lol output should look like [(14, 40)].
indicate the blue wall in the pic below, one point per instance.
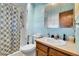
[(30, 20), (37, 25), (39, 19)]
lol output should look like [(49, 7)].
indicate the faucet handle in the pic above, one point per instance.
[(48, 35)]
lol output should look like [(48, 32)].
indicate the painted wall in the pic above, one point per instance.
[(36, 23), (30, 21), (39, 19)]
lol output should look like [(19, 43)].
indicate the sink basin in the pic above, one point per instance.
[(60, 42), (57, 42)]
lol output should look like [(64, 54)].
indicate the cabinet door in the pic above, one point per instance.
[(53, 52), (40, 52), (41, 47)]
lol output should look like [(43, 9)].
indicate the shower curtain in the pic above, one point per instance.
[(9, 29)]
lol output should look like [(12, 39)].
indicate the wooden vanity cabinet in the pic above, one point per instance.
[(43, 50)]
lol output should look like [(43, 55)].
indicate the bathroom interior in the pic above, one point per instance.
[(39, 29)]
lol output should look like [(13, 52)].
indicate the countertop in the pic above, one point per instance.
[(69, 47)]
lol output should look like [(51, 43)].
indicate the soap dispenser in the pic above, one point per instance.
[(64, 37)]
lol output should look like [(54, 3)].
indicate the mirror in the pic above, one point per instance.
[(59, 15)]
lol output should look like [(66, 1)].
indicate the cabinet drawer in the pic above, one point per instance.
[(53, 52), (41, 53), (42, 47)]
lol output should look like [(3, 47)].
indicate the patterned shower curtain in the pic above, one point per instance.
[(9, 29)]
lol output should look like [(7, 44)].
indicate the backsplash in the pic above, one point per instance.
[(61, 31)]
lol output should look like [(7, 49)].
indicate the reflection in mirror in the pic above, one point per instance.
[(51, 20), (66, 19)]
